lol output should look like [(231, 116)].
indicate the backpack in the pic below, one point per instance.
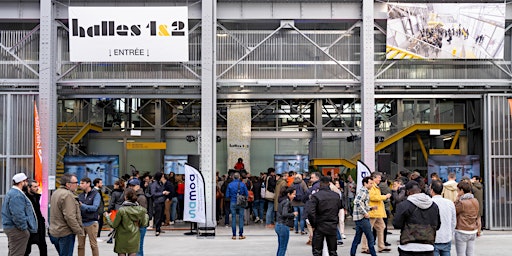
[(300, 194)]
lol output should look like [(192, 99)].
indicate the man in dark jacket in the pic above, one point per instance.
[(98, 184), (322, 212), (39, 237), (418, 218)]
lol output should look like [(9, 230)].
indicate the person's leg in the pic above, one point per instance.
[(331, 245), (281, 233), (286, 237), (233, 218), (100, 224), (17, 240), (91, 231), (296, 219), (158, 214), (357, 238), (301, 217), (270, 212), (341, 223), (28, 250), (318, 243), (174, 204), (470, 245), (55, 242), (255, 210), (379, 227), (142, 231), (241, 211), (66, 245), (227, 211), (262, 206), (444, 249), (367, 230), (81, 244), (167, 212), (460, 244), (364, 242)]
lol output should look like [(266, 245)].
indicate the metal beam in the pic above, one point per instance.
[(368, 85), (209, 106), (23, 62)]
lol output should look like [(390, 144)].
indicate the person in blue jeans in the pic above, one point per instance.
[(64, 245), (362, 218), (235, 188), (285, 217), (298, 203)]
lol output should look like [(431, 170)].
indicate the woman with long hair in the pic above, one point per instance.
[(130, 217), (285, 219)]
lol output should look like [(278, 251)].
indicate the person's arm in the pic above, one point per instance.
[(313, 202), (375, 195), (70, 212), (111, 202), (399, 217), (228, 191), (154, 192), (15, 208), (245, 190), (94, 206)]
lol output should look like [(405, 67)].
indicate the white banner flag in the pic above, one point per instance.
[(194, 210), (362, 171)]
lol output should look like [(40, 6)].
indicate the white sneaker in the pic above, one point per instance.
[(343, 236), (257, 219), (171, 223), (99, 240)]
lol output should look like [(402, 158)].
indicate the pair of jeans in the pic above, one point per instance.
[(465, 244), (257, 208), (64, 245), (283, 235), (270, 212), (299, 218), (227, 211), (363, 226), (318, 243), (174, 205), (142, 231), (237, 210), (442, 249)]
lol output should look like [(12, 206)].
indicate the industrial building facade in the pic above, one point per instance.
[(316, 76)]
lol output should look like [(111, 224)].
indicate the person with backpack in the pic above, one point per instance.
[(298, 203)]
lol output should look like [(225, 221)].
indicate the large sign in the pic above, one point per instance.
[(128, 34)]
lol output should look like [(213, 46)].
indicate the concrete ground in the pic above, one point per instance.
[(263, 242)]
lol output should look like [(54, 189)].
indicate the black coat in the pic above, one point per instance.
[(322, 210), (41, 227)]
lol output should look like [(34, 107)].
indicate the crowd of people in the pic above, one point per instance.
[(430, 216)]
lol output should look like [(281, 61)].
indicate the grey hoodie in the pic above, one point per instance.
[(421, 200)]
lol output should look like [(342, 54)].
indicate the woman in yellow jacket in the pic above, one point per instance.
[(377, 216)]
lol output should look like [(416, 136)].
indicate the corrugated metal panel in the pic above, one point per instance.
[(498, 178)]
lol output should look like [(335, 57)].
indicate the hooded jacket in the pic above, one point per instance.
[(450, 190), (129, 218), (467, 213), (298, 182), (418, 218)]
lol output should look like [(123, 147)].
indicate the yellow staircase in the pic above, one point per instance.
[(400, 54), (351, 163), (69, 133)]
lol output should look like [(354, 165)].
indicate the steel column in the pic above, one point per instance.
[(316, 142), (367, 86), (47, 96), (208, 105)]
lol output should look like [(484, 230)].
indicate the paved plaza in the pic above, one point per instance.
[(263, 242)]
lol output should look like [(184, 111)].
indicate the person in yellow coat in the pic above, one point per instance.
[(377, 216)]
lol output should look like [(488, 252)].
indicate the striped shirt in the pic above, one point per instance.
[(361, 204)]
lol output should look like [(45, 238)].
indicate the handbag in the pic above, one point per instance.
[(268, 195), (241, 200), (250, 198)]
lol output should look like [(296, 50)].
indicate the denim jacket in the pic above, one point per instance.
[(18, 212)]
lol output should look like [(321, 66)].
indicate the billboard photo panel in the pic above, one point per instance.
[(445, 31)]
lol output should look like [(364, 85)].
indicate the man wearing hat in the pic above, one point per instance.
[(18, 216), (134, 184), (418, 220)]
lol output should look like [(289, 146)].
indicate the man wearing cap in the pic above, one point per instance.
[(134, 184), (18, 216), (418, 220), (65, 217), (89, 203)]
